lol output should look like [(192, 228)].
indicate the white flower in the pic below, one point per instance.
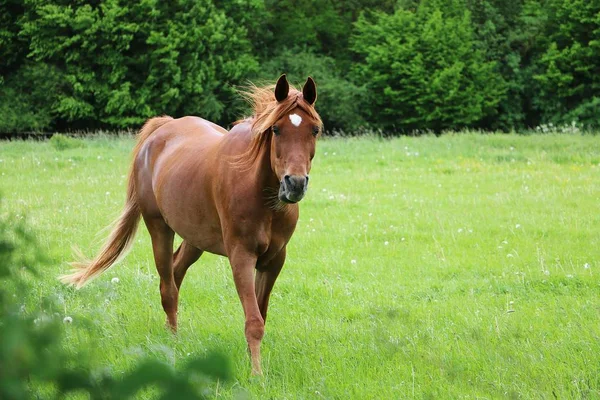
[(509, 255), (68, 320), (546, 272), (586, 266), (402, 240), (352, 261), (114, 280), (386, 243), (517, 226), (460, 230), (108, 193)]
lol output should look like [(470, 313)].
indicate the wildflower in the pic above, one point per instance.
[(460, 230), (108, 193), (586, 266), (386, 243), (114, 280), (517, 226), (68, 320), (352, 261)]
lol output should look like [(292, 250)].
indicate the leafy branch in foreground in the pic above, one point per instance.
[(33, 352)]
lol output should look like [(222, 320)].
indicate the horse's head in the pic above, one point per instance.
[(294, 137)]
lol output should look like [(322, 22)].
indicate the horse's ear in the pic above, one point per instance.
[(282, 88), (309, 91)]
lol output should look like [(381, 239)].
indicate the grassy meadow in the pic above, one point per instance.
[(461, 266)]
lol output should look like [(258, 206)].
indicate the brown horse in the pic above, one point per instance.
[(229, 193)]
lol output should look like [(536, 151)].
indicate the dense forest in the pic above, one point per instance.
[(396, 66)]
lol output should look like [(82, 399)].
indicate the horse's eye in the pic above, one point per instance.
[(316, 130), (275, 130)]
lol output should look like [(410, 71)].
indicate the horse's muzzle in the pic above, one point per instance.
[(293, 188)]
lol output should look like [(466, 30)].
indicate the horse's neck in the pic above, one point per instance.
[(261, 169), (265, 177)]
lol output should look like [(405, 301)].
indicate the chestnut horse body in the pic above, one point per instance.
[(228, 193)]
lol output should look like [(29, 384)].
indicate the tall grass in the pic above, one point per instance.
[(459, 266)]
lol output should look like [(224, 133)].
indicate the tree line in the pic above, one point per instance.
[(395, 66)]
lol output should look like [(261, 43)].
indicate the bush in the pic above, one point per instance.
[(423, 70), (567, 79), (62, 142), (33, 352), (121, 63)]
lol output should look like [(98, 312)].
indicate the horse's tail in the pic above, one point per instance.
[(125, 227)]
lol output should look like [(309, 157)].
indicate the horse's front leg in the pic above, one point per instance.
[(243, 264), (265, 279)]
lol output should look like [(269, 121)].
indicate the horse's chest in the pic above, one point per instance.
[(277, 236)]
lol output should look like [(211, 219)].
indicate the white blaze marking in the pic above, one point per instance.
[(296, 119)]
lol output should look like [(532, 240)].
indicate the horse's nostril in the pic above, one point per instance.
[(287, 180), (307, 179)]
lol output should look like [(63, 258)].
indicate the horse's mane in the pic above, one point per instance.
[(267, 111)]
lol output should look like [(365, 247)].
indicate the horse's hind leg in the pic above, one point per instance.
[(183, 258), (162, 245)]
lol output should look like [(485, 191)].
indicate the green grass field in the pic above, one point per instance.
[(464, 266)]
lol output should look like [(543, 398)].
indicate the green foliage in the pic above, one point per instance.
[(63, 142), (27, 97), (398, 65), (423, 69), (34, 352), (121, 63), (567, 72)]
